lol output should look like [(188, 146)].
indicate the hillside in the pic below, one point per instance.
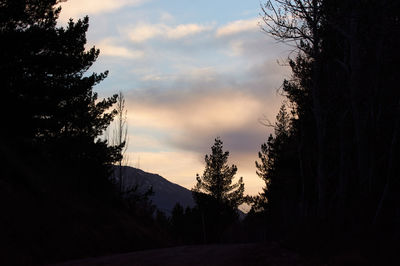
[(166, 193)]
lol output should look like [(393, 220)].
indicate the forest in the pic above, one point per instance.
[(330, 169)]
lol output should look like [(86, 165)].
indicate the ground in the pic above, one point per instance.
[(210, 255)]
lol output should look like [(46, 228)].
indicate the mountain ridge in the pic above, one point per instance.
[(166, 193)]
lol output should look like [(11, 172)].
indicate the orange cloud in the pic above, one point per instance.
[(179, 167), (109, 48), (79, 8), (188, 127)]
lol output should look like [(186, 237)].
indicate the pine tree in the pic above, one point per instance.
[(265, 170), (216, 196), (217, 178), (58, 118), (278, 167)]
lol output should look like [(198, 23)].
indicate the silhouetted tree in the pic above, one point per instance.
[(55, 169), (178, 221), (277, 168), (218, 177), (120, 139), (43, 75), (215, 195), (344, 129)]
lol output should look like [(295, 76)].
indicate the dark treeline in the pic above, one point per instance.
[(332, 166), (56, 198)]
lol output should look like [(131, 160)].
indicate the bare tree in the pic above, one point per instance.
[(120, 138)]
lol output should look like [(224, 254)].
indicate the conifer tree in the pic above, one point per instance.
[(345, 111), (217, 178), (277, 168), (44, 77), (216, 196)]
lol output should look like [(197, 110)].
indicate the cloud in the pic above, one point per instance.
[(183, 30), (206, 99), (254, 46), (182, 166), (109, 48), (215, 82), (143, 141), (192, 120), (143, 31), (186, 110), (237, 48), (166, 17), (78, 8), (238, 26), (177, 166), (201, 114)]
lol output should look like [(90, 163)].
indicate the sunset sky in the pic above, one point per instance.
[(190, 71)]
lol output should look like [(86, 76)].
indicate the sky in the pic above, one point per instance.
[(190, 71)]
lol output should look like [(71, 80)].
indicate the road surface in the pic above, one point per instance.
[(208, 255)]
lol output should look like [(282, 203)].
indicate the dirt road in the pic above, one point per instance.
[(208, 255)]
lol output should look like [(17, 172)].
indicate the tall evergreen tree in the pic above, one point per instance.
[(216, 197), (277, 168), (217, 178), (44, 77)]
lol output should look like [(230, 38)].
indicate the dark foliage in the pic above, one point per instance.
[(208, 222), (214, 219), (57, 200), (332, 170), (53, 115), (217, 178), (216, 197)]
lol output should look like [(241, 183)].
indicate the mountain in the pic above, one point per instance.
[(166, 193)]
